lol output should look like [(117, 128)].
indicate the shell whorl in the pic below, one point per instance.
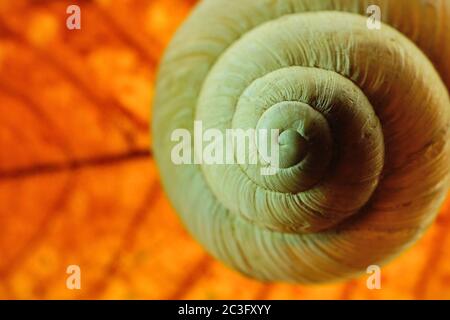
[(364, 121)]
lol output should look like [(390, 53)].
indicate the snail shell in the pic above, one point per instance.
[(364, 122)]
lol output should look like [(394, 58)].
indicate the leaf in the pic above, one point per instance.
[(78, 184)]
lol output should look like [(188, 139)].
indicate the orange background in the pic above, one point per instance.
[(78, 184)]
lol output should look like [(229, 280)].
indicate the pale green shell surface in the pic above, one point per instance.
[(373, 106)]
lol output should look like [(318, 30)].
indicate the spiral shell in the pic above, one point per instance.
[(364, 121)]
